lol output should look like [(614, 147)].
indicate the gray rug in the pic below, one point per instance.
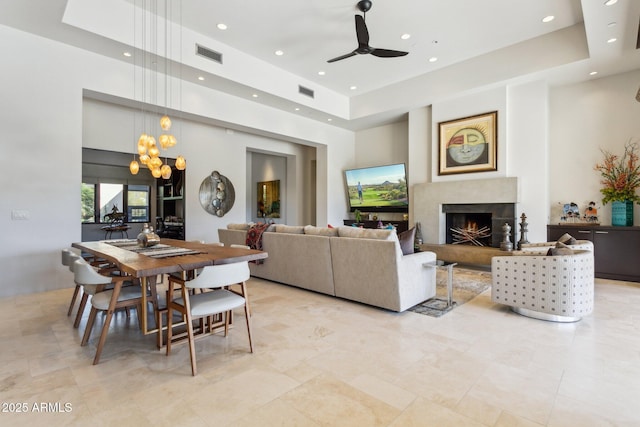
[(468, 283)]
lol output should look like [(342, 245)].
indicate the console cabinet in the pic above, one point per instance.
[(616, 249), (399, 225)]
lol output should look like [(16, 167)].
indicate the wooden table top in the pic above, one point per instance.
[(139, 265)]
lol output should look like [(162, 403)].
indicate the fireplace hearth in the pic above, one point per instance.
[(478, 224)]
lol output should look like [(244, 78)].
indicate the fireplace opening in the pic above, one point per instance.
[(473, 220), (469, 229)]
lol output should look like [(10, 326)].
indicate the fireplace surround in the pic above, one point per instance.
[(429, 199)]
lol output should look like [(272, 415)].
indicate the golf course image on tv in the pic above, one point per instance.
[(379, 188)]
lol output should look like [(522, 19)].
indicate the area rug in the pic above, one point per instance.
[(468, 283)]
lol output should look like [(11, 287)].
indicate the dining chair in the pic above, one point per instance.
[(178, 276), (217, 301), (68, 257), (242, 289), (105, 300)]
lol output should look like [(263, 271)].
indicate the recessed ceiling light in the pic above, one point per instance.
[(127, 54), (321, 73), (405, 36), (548, 18), (297, 108), (255, 95), (593, 73), (329, 119), (610, 2), (353, 87), (433, 59), (200, 78), (279, 52), (612, 40), (222, 26)]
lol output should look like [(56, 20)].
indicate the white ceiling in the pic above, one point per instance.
[(477, 43)]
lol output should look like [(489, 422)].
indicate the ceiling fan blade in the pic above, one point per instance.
[(348, 55), (361, 31), (387, 53)]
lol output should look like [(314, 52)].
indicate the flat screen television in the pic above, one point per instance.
[(378, 188)]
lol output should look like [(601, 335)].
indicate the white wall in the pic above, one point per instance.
[(585, 117), (42, 123)]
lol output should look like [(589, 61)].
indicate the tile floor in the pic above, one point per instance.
[(323, 361)]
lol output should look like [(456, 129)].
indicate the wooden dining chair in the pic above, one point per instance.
[(68, 257), (105, 300), (205, 304)]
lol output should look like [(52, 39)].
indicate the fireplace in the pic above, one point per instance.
[(478, 224)]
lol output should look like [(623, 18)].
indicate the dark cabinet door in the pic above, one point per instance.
[(580, 233), (616, 254)]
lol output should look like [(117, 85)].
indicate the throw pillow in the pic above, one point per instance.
[(407, 240), (560, 249), (567, 239)]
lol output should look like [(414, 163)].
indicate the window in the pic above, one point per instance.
[(99, 200), (138, 203), (88, 203)]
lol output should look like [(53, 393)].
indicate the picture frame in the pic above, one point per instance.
[(468, 144)]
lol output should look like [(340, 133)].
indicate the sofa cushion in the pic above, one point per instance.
[(567, 239), (560, 249), (407, 240), (366, 233), (320, 231), (290, 229)]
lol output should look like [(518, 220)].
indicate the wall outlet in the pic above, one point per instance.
[(20, 215)]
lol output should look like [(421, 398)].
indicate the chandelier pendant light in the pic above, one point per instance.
[(148, 149)]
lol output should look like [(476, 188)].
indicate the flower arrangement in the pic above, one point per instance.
[(620, 176)]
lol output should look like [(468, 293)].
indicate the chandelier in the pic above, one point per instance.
[(148, 147)]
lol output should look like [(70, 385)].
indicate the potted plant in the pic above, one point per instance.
[(620, 177), (358, 216)]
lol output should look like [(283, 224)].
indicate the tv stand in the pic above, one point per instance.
[(400, 225)]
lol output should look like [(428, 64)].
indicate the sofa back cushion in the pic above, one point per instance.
[(243, 226), (290, 229), (367, 233), (321, 231)]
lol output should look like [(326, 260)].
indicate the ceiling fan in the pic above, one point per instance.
[(363, 38)]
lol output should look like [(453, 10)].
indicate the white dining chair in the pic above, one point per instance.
[(68, 256), (105, 300), (210, 303)]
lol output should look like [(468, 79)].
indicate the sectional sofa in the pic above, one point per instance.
[(358, 264)]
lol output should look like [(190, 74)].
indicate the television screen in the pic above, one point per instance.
[(378, 189)]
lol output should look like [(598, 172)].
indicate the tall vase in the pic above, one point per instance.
[(622, 213)]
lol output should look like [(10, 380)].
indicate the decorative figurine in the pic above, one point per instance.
[(523, 231), (506, 244)]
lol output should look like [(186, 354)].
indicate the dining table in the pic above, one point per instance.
[(169, 256)]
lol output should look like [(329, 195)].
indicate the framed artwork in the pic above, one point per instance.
[(468, 144), (269, 199)]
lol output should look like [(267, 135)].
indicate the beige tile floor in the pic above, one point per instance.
[(323, 361)]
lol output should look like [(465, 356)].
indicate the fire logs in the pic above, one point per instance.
[(469, 235)]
